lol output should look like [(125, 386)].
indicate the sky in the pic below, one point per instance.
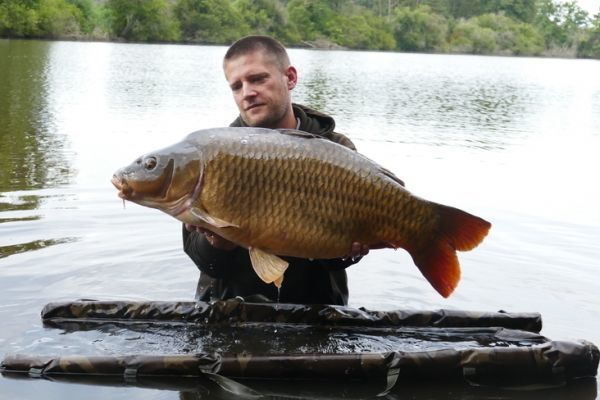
[(591, 6)]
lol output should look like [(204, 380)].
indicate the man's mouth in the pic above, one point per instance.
[(250, 107)]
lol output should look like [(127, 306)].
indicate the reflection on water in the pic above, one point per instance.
[(207, 388), (514, 140), (32, 148), (6, 251), (448, 102)]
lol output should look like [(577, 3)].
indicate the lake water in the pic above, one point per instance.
[(514, 140)]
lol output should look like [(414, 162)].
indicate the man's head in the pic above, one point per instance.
[(260, 76)]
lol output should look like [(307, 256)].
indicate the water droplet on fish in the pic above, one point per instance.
[(278, 294), (123, 204)]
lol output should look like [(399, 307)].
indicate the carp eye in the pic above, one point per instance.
[(150, 163)]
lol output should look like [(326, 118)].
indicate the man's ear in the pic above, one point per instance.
[(292, 77)]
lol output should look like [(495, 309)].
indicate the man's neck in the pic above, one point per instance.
[(289, 121)]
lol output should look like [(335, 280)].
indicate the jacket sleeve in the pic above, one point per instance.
[(214, 262), (337, 264)]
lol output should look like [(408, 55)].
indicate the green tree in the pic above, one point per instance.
[(90, 15), (360, 31), (589, 47), (209, 21), (142, 20), (495, 33), (267, 17), (57, 18), (310, 17), (18, 19), (561, 23), (419, 29), (468, 37)]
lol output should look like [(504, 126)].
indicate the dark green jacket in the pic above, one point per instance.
[(227, 274)]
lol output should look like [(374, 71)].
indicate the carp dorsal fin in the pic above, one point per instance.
[(214, 221), (391, 175), (268, 267), (295, 132)]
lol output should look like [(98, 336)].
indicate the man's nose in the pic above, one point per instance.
[(248, 90)]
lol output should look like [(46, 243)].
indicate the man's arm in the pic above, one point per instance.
[(213, 261), (337, 264)]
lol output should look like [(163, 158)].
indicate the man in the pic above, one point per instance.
[(258, 71)]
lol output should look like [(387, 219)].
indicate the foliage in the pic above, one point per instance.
[(511, 27), (589, 47), (267, 17), (209, 21), (142, 20), (18, 19), (521, 10), (89, 15), (419, 29), (310, 17), (46, 18), (58, 18), (561, 24), (495, 33)]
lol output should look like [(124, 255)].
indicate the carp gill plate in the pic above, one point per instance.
[(290, 193)]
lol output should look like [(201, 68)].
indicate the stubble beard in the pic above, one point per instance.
[(271, 119)]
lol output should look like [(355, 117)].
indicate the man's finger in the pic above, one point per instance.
[(190, 227)]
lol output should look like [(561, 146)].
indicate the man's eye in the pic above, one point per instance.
[(235, 88)]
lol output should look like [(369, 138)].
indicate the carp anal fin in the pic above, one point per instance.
[(214, 221), (268, 267)]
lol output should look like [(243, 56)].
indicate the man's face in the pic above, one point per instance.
[(261, 88)]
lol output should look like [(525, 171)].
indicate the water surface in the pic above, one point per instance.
[(514, 140)]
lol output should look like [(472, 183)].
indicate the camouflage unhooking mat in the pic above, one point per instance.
[(231, 340)]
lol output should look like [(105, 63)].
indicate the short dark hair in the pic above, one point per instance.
[(251, 44)]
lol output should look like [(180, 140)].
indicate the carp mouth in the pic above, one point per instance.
[(157, 193), (150, 192), (124, 189)]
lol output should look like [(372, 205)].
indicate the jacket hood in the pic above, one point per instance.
[(314, 121), (311, 121)]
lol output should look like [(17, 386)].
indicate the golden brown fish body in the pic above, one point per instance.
[(289, 193)]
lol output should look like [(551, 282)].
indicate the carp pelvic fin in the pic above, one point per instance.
[(457, 230), (268, 267), (214, 221)]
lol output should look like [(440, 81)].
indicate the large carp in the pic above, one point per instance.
[(290, 193)]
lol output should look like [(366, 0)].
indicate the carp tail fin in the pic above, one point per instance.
[(462, 230), (268, 267), (437, 261)]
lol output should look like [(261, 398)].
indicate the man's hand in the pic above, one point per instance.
[(358, 250), (212, 238)]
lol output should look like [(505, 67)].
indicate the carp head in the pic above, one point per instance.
[(169, 179)]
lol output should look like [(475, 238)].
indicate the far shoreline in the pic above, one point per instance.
[(317, 45)]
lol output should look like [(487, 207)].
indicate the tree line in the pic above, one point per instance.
[(506, 27)]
